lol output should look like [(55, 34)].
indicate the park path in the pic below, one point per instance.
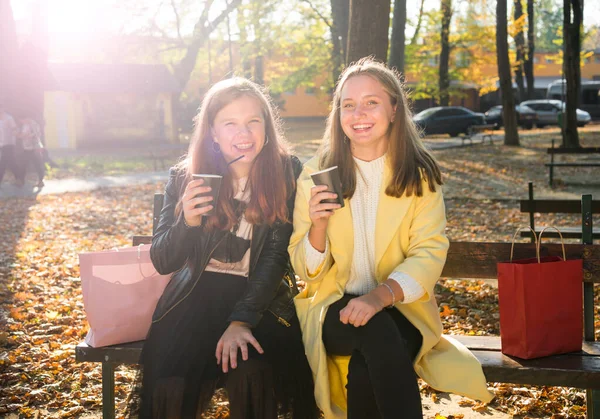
[(58, 186)]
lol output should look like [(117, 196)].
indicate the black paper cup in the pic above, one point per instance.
[(330, 177), (214, 181)]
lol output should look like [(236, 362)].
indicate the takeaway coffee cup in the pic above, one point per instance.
[(214, 181), (330, 177)]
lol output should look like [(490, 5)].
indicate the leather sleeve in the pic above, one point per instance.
[(173, 241), (272, 264)]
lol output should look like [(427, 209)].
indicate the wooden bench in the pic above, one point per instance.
[(165, 155), (562, 206), (483, 130), (465, 260), (564, 151)]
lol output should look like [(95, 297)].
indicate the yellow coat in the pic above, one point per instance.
[(410, 238)]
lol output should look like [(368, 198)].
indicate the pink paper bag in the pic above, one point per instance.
[(120, 291)]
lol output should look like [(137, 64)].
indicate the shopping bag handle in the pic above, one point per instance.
[(512, 246), (562, 242), (139, 252), (139, 256)]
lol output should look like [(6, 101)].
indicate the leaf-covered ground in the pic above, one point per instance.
[(41, 309)]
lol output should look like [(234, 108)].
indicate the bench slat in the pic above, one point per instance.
[(478, 260), (579, 150), (125, 353), (546, 206), (492, 343), (581, 370), (572, 164), (560, 370), (567, 233)]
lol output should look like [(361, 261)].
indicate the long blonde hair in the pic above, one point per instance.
[(270, 180), (409, 158)]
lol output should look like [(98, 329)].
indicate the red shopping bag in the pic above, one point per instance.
[(540, 303), (120, 291)]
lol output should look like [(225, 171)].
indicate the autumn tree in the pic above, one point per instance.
[(511, 135), (202, 29), (444, 79), (398, 40), (415, 36), (179, 49), (256, 23), (572, 26), (472, 47), (339, 10), (549, 21), (368, 29)]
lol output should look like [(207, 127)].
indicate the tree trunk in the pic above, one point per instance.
[(415, 37), (511, 135), (444, 82), (229, 47), (202, 30), (528, 63), (572, 21), (368, 29), (398, 36), (520, 49), (259, 70), (10, 56), (340, 13)]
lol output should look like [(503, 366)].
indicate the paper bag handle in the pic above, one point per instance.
[(512, 246), (562, 242), (139, 256)]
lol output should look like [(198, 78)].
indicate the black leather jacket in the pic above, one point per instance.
[(186, 251)]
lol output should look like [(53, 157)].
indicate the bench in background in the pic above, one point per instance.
[(564, 151), (165, 155), (484, 131), (559, 206)]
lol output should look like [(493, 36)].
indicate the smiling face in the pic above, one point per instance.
[(365, 115), (239, 129)]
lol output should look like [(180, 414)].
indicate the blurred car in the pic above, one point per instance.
[(447, 120), (548, 111), (526, 116)]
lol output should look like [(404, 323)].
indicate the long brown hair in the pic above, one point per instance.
[(270, 181), (409, 158)]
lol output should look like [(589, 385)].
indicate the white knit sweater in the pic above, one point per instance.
[(363, 206)]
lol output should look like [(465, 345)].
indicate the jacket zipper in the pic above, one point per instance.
[(280, 319)]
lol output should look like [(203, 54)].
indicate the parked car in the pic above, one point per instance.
[(526, 116), (548, 111), (447, 120)]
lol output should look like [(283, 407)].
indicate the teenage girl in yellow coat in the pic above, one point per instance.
[(368, 314)]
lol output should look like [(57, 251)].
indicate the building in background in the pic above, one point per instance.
[(94, 105)]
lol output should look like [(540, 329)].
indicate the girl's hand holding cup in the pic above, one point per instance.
[(196, 202), (318, 210)]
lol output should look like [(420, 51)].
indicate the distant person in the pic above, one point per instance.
[(8, 139), (33, 150)]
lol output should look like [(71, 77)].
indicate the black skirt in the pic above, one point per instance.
[(179, 372)]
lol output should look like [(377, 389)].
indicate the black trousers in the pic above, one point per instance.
[(35, 158), (381, 378), (7, 161)]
